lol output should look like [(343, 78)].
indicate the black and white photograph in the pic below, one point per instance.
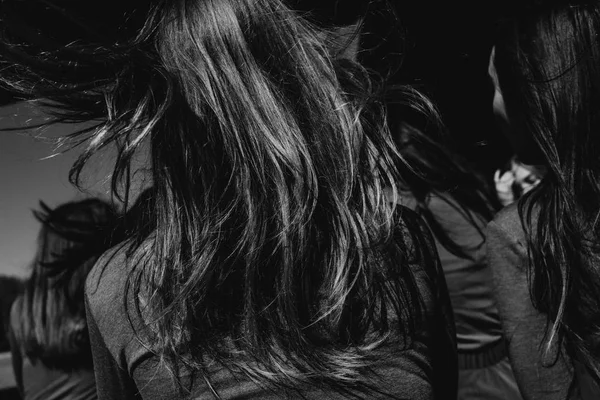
[(300, 199)]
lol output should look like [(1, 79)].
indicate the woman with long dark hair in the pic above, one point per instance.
[(50, 345), (457, 203), (544, 249), (277, 267)]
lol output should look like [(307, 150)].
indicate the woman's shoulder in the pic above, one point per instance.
[(508, 223), (111, 311), (107, 283), (105, 279), (508, 219), (506, 245)]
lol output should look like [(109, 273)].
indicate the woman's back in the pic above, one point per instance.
[(468, 277), (424, 369), (457, 204)]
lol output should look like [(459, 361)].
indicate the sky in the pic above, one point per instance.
[(29, 173)]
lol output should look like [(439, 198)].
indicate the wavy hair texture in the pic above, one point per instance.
[(276, 252), (48, 319), (548, 68)]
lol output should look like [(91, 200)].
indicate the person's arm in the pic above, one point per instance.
[(523, 325), (112, 381)]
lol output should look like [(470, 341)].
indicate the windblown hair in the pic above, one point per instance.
[(276, 252), (140, 219), (437, 169), (48, 319), (548, 67)]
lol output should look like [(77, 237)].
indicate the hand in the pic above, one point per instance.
[(504, 183)]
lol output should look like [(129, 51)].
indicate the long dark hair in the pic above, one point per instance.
[(139, 220), (48, 319), (437, 169), (548, 66), (276, 251)]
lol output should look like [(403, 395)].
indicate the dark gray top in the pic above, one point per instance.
[(469, 279), (125, 369), (523, 325)]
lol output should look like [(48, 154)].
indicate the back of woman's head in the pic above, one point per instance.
[(275, 247), (49, 318), (547, 62), (437, 169)]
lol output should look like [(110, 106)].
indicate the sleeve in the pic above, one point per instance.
[(524, 327), (112, 381)]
